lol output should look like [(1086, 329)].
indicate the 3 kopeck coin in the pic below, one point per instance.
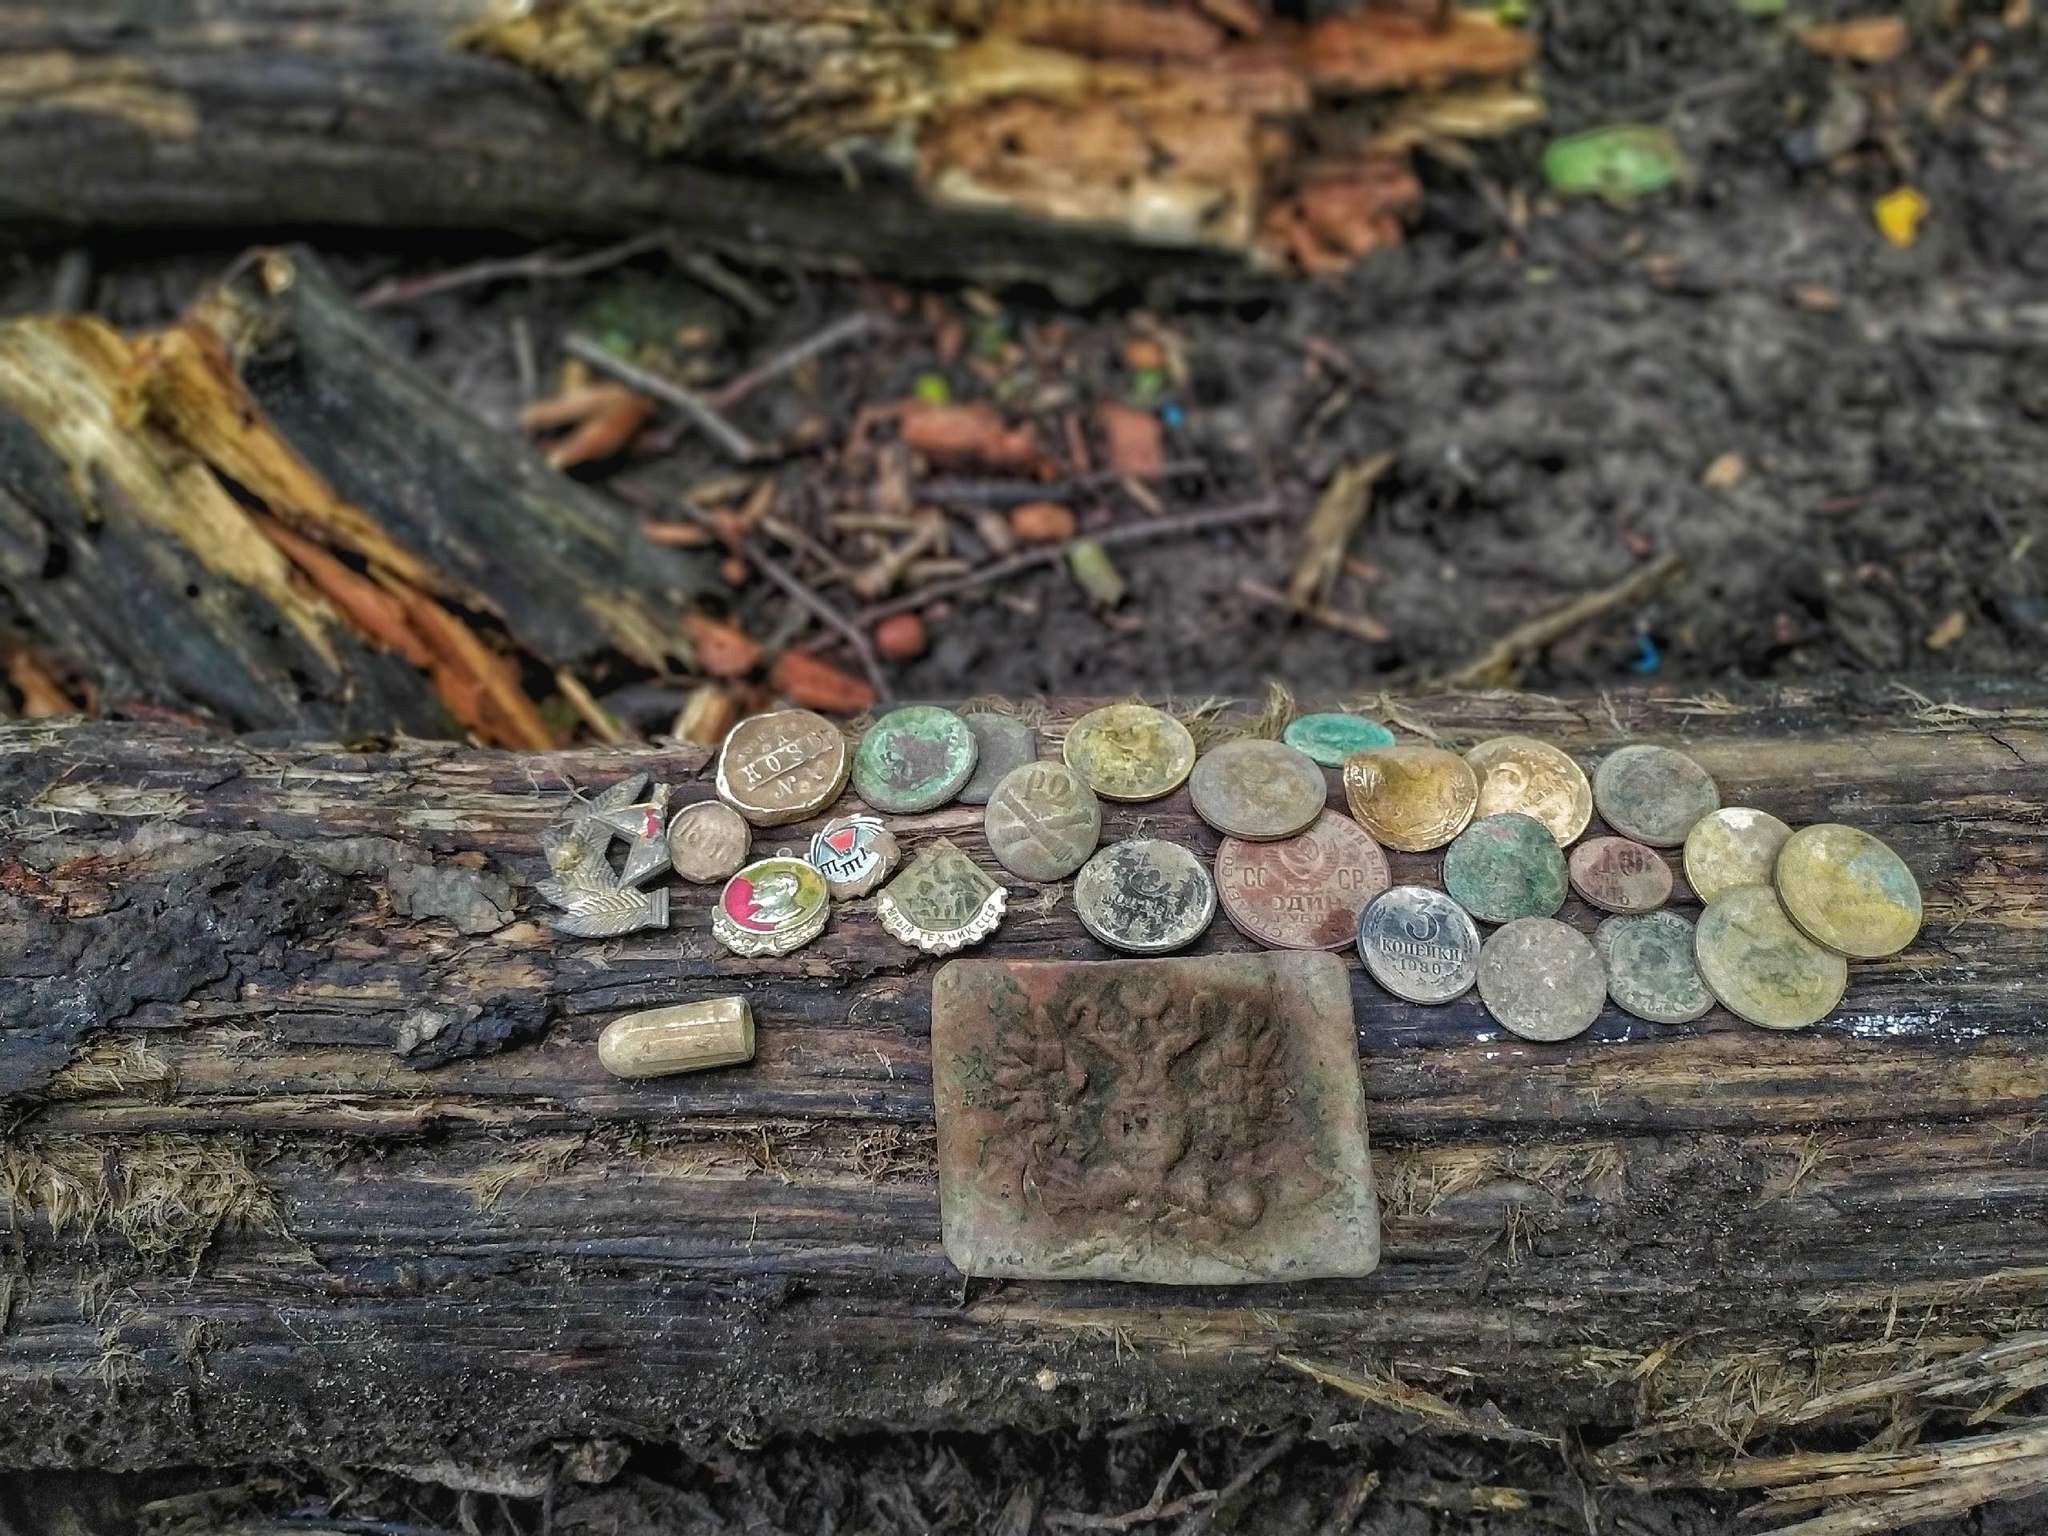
[(1419, 944)]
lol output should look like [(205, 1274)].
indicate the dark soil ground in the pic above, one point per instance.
[(1556, 381)]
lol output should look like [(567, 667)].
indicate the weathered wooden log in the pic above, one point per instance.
[(311, 1151)]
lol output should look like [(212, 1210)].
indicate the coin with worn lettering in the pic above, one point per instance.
[(1001, 743), (1144, 896), (782, 767), (913, 759), (1653, 794), (854, 854), (1651, 971), (1257, 790), (707, 842), (1129, 751), (1522, 774), (1504, 867), (1330, 738), (1043, 821), (1411, 798), (943, 901), (1542, 979), (1304, 892), (1732, 846), (1419, 944), (1618, 875), (1848, 891), (1762, 968), (771, 907)]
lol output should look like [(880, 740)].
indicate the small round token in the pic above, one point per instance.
[(1653, 794), (913, 759), (1732, 846), (1651, 971), (1617, 875), (1330, 738), (782, 767), (1001, 743), (707, 842), (771, 907), (1304, 892), (1043, 821), (1848, 891), (1144, 896), (1257, 790), (1419, 944), (1520, 773), (1760, 967), (1504, 867), (854, 854), (1411, 798), (1129, 751), (1542, 979)]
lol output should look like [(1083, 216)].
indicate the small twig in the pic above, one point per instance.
[(823, 611), (1338, 512), (536, 264), (1498, 665), (1200, 1520), (729, 438), (837, 334), (1154, 1508), (709, 271), (592, 713), (1012, 493), (1359, 626)]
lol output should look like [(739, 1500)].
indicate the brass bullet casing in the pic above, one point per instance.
[(689, 1037)]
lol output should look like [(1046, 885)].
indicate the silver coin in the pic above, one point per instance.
[(1145, 896), (1419, 944), (1542, 979), (1651, 971), (1001, 743), (1043, 821)]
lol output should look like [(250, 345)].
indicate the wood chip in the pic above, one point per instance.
[(723, 648), (1337, 515), (1133, 438), (1860, 39), (804, 679)]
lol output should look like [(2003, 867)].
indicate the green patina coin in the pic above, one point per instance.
[(913, 759), (1504, 867), (1329, 739), (1651, 972)]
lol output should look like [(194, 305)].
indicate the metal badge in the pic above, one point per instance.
[(598, 901), (942, 901), (771, 907), (854, 854)]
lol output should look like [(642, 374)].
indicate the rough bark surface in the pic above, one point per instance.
[(311, 1155)]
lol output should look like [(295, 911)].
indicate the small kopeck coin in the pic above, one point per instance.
[(1419, 944), (1542, 979), (1761, 967), (1330, 738), (1651, 971), (1520, 773), (1618, 875), (1653, 794), (1732, 846), (707, 842), (1504, 867), (1144, 896), (1257, 790)]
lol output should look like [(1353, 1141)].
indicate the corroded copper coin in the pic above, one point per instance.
[(1304, 892), (1419, 944), (1651, 971), (1410, 798), (913, 759), (1616, 874), (1504, 867), (782, 767), (1533, 778), (1145, 896), (1331, 738), (1129, 751), (1257, 790), (1001, 743), (1761, 967), (1043, 821), (1732, 846), (1542, 979), (1653, 794), (707, 842), (854, 854)]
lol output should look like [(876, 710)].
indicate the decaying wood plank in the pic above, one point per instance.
[(311, 1151)]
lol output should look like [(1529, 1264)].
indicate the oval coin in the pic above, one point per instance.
[(1419, 944), (1257, 790), (1732, 846), (1330, 738), (913, 759), (1617, 875), (1129, 751), (1542, 979), (1653, 794), (1411, 798), (1760, 967), (1001, 743), (1522, 774), (1651, 971), (1305, 892), (1043, 821), (1144, 896), (1848, 891), (707, 841), (782, 767), (771, 907), (854, 854), (1504, 867)]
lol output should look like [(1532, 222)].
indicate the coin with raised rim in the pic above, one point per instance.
[(1419, 944), (1732, 846), (1542, 979), (1762, 968), (1651, 969), (1653, 794), (1145, 896), (1001, 743), (1043, 821), (1257, 790), (707, 842), (782, 767), (854, 854), (913, 759), (942, 902), (1411, 798), (1330, 738), (1304, 892), (1617, 874), (1848, 891), (1504, 867), (1533, 778), (771, 907), (1129, 752)]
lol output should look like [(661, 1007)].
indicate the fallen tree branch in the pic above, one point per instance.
[(1499, 665)]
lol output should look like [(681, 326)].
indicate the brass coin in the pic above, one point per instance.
[(1419, 944), (707, 842), (1848, 891), (1129, 751), (913, 759), (1258, 790), (1651, 971), (1001, 742), (1617, 875), (1542, 979), (1533, 778), (782, 767), (1505, 867), (1760, 967), (1304, 892), (1653, 794), (1043, 821), (1411, 798), (1144, 896), (1732, 846)]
